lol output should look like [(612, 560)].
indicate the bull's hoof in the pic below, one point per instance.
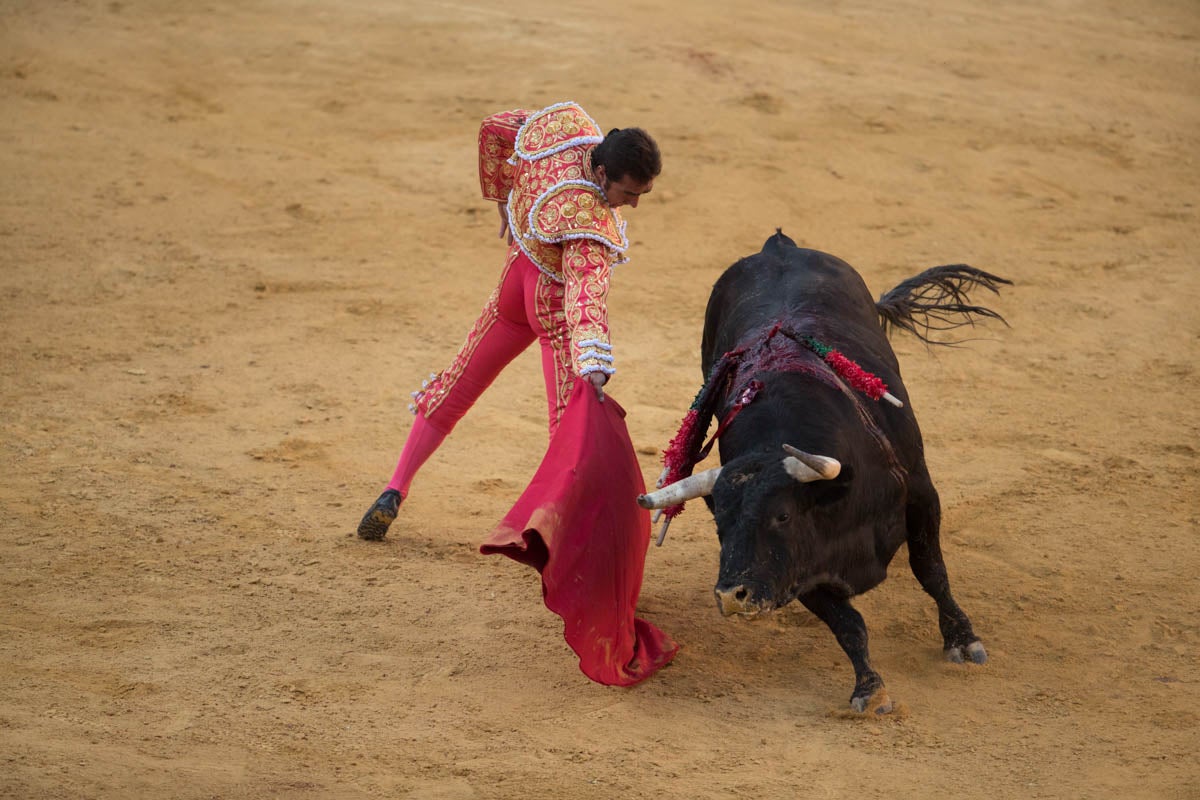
[(878, 702), (379, 516), (870, 695), (973, 651)]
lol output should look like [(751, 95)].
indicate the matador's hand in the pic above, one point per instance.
[(503, 209), (598, 379)]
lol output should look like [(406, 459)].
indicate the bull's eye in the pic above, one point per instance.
[(782, 517)]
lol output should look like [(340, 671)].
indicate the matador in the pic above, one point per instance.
[(558, 184)]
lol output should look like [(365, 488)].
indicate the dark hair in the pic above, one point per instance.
[(628, 151)]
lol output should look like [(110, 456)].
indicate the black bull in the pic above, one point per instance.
[(795, 527)]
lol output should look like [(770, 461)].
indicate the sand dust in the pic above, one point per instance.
[(235, 235)]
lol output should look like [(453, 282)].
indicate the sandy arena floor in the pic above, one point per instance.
[(235, 235)]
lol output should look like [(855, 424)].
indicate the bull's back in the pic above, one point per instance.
[(786, 283)]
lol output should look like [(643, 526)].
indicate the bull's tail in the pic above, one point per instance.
[(936, 301)]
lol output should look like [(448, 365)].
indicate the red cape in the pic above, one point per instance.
[(578, 524)]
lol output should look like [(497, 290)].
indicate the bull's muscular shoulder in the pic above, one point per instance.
[(554, 129), (576, 210)]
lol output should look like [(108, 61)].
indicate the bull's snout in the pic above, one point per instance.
[(737, 600)]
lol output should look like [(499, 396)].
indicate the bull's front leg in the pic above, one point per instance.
[(851, 632), (924, 517)]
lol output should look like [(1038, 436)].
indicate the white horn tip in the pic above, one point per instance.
[(644, 501), (831, 469)]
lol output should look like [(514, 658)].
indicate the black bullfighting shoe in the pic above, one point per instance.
[(379, 516)]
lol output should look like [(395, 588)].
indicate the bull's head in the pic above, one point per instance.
[(764, 521)]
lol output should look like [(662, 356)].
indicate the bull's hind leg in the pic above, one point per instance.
[(924, 520), (847, 625)]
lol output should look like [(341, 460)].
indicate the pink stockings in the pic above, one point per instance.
[(526, 306), (422, 440)]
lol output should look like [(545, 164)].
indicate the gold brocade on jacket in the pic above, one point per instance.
[(539, 163)]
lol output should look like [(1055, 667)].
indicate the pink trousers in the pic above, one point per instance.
[(527, 305)]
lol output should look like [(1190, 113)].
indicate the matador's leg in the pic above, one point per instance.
[(498, 336)]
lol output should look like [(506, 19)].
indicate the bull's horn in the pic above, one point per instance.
[(799, 470), (689, 488), (826, 468)]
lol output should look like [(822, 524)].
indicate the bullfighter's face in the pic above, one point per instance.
[(624, 192)]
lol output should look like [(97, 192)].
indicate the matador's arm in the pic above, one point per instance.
[(497, 139), (587, 266)]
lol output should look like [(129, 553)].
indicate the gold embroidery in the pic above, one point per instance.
[(497, 135), (532, 177), (554, 128), (573, 211), (548, 307), (587, 269)]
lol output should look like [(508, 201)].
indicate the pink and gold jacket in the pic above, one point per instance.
[(539, 163)]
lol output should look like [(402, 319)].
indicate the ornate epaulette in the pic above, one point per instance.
[(553, 130), (576, 210)]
